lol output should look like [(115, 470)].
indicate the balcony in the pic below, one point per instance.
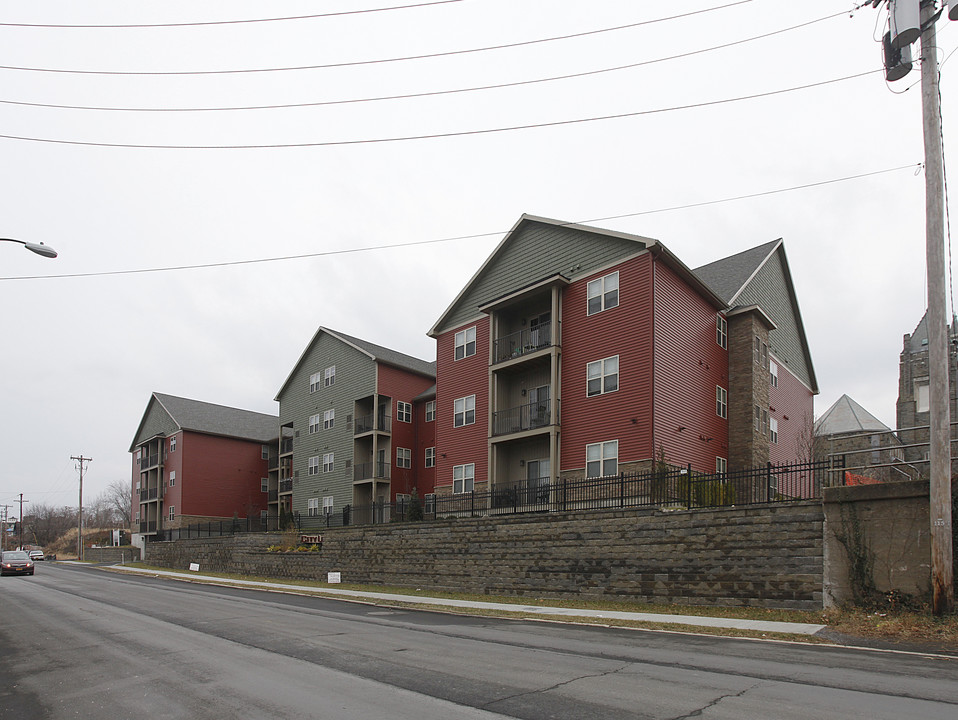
[(273, 496), (526, 492), (148, 527), (370, 470), (150, 461), (273, 462), (530, 416), (372, 423), (523, 342), (148, 494), (286, 486), (286, 446)]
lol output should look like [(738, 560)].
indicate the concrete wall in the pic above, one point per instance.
[(755, 555), (877, 540), (121, 554)]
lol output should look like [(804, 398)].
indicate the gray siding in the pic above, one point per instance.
[(355, 378), (156, 422), (769, 290), (536, 251)]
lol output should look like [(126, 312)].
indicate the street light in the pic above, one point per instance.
[(39, 249)]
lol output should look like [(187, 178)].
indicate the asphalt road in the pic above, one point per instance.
[(77, 642)]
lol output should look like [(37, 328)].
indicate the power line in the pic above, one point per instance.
[(230, 22), (348, 251), (379, 61), (434, 93), (456, 133)]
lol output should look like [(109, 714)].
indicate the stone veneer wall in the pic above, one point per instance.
[(116, 554), (764, 556)]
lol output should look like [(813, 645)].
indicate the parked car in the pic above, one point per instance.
[(35, 555), (16, 562)]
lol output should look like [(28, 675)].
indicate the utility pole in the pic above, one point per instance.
[(942, 569), (906, 26), (80, 460), (21, 519)]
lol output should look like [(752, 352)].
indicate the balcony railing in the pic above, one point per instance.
[(529, 416), (148, 527), (370, 470), (369, 423), (286, 446), (286, 486), (273, 462), (522, 342), (273, 496), (148, 461), (147, 494)]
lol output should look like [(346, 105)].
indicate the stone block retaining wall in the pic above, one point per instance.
[(764, 556)]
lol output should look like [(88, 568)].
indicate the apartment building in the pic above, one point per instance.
[(356, 427), (581, 352), (198, 462)]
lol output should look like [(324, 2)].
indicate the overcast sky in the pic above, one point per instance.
[(81, 355)]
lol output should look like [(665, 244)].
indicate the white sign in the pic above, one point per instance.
[(334, 577), (195, 567)]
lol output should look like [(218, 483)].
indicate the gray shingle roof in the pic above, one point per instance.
[(729, 275), (390, 357), (847, 416), (218, 419)]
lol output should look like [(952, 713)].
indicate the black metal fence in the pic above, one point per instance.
[(664, 488)]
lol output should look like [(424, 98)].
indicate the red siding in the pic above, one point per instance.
[(791, 403), (402, 385), (425, 438), (457, 379), (689, 363), (217, 477), (626, 414)]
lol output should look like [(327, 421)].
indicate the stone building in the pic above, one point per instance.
[(913, 399)]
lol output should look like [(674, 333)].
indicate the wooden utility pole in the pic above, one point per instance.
[(21, 519), (80, 460), (942, 580)]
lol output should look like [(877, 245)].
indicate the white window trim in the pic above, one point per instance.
[(721, 465), (314, 424), (466, 402), (466, 478), (312, 507), (312, 466), (721, 332), (329, 376), (327, 505), (314, 381), (773, 431), (329, 462), (172, 512), (604, 447), (430, 410), (403, 457), (602, 293), (721, 402), (172, 478), (264, 484), (773, 373), (463, 339), (602, 376), (403, 411), (173, 444), (329, 419), (430, 459)]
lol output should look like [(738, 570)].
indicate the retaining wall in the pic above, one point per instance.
[(765, 556)]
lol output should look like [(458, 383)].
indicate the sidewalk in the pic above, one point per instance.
[(700, 621)]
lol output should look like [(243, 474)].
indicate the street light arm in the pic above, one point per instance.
[(39, 249)]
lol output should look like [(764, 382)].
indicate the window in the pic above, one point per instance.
[(403, 457), (721, 331), (773, 374), (137, 516), (329, 419), (430, 411), (403, 411), (430, 457), (314, 382), (172, 512), (265, 452), (761, 352), (464, 411), (328, 505), (465, 343), (329, 376), (464, 478), (721, 465), (403, 500), (721, 401), (773, 430), (327, 462), (313, 465), (602, 459), (429, 503), (172, 478), (263, 516), (264, 484), (921, 399), (313, 424), (173, 444), (312, 507), (603, 293), (602, 376), (761, 420)]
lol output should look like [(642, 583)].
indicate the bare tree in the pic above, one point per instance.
[(118, 499)]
